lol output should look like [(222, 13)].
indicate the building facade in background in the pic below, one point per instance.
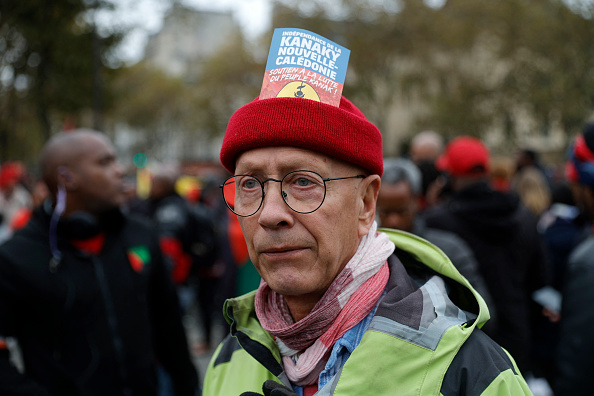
[(188, 39)]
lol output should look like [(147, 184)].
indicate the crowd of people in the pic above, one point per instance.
[(515, 230), (338, 271)]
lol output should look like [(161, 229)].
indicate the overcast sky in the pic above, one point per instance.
[(145, 17)]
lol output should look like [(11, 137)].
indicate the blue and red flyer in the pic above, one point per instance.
[(303, 64)]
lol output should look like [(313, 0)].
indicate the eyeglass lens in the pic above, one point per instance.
[(303, 191)]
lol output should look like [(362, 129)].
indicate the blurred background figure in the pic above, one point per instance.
[(84, 288), (39, 194), (503, 237), (211, 267), (426, 146), (189, 241), (529, 159), (237, 273), (398, 208), (575, 358), (13, 196), (171, 213), (501, 173), (562, 227), (531, 182), (434, 185)]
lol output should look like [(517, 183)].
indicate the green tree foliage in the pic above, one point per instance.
[(153, 103), (531, 55), (196, 106), (146, 94), (225, 82), (466, 67), (52, 67)]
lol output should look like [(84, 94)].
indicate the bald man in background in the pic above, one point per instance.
[(83, 287)]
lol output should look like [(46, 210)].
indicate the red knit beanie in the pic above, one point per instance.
[(341, 132)]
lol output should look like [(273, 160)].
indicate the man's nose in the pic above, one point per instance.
[(274, 210), (273, 194), (118, 169)]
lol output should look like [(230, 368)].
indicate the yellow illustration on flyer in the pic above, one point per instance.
[(302, 64)]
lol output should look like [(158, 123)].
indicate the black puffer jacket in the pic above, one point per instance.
[(96, 324), (503, 237)]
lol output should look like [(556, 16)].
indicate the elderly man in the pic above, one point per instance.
[(84, 289), (342, 309)]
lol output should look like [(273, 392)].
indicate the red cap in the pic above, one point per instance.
[(341, 132), (10, 174), (580, 166), (464, 156)]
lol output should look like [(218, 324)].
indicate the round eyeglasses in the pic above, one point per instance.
[(303, 191)]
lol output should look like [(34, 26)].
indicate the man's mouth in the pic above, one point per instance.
[(282, 251)]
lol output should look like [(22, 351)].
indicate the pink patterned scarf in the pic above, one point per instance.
[(306, 345)]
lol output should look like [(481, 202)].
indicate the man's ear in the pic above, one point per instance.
[(370, 187), (66, 178)]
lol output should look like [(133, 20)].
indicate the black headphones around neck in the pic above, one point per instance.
[(83, 225)]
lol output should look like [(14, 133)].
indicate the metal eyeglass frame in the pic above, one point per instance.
[(283, 194)]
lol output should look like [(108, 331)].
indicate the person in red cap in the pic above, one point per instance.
[(465, 156), (575, 357), (343, 308), (503, 237)]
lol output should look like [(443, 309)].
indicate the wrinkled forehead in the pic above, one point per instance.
[(283, 159)]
